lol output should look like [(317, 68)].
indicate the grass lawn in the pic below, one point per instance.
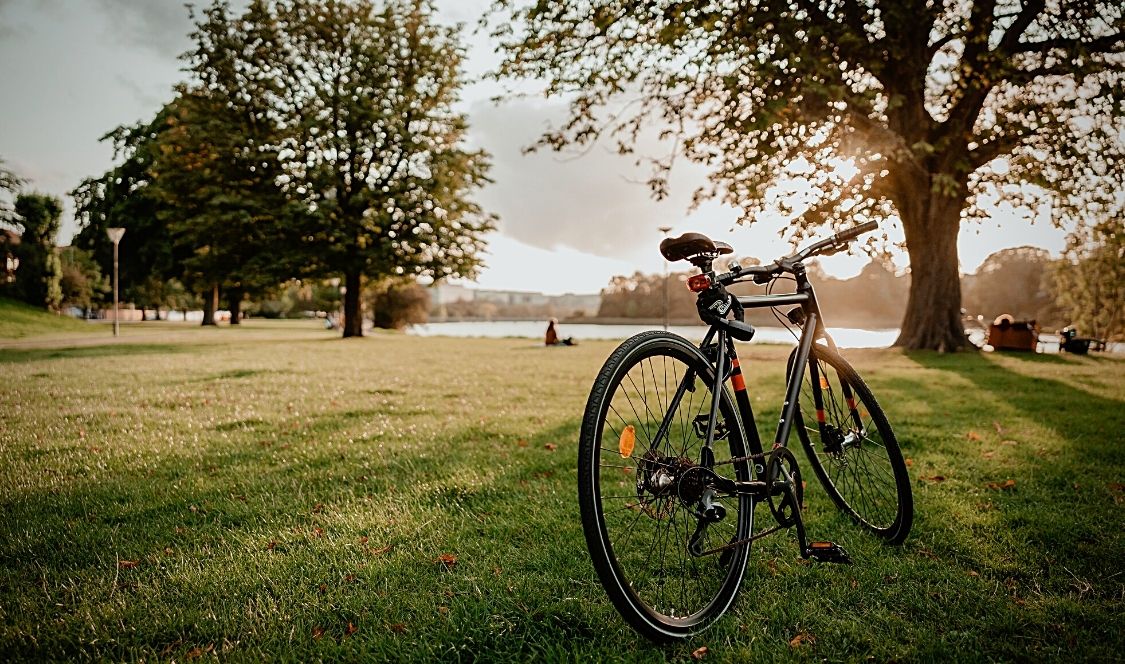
[(19, 320), (273, 492)]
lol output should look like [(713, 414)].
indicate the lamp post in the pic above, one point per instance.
[(664, 230), (115, 237)]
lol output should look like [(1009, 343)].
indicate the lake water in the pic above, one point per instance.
[(845, 337)]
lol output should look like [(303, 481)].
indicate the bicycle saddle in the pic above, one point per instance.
[(692, 244)]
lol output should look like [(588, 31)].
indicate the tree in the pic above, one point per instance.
[(1011, 281), (124, 197), (374, 150), (928, 111), (1090, 280), (39, 271), (217, 171), (9, 186), (81, 282), (398, 302)]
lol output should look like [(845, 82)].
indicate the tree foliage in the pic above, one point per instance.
[(81, 283), (1014, 281), (37, 277), (397, 302), (10, 185), (124, 197), (1090, 280), (373, 147), (925, 112)]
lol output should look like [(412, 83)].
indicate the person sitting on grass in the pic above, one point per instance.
[(553, 336)]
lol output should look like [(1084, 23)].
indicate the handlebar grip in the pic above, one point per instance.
[(852, 233)]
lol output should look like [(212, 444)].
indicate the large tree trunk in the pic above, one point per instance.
[(353, 305), (933, 310), (234, 304), (210, 304)]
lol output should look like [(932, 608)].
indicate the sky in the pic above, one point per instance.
[(72, 70)]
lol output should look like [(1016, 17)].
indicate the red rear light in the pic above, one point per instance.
[(699, 282)]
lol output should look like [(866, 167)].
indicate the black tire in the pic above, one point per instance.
[(866, 476), (638, 537)]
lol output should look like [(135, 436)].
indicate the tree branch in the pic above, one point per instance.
[(1027, 14), (1106, 44)]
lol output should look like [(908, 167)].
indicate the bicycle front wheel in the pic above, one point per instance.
[(641, 489), (852, 449)]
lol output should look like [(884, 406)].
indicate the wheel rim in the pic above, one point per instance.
[(854, 458), (645, 528)]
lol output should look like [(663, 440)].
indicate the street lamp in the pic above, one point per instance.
[(115, 237), (665, 229)]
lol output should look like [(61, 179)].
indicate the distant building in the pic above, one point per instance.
[(8, 240), (449, 300)]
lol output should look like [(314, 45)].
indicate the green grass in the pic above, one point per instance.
[(250, 493), (19, 320)]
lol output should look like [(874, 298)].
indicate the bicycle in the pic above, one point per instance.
[(671, 467)]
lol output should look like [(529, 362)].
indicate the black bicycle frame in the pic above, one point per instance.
[(811, 329)]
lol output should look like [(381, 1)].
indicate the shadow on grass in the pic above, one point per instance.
[(21, 355), (207, 528)]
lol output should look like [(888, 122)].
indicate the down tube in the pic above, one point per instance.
[(793, 389)]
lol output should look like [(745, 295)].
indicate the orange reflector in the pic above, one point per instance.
[(851, 403), (628, 440), (699, 282), (823, 382)]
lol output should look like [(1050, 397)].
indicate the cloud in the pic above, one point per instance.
[(161, 27), (595, 202)]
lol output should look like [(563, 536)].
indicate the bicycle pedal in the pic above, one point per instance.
[(827, 552)]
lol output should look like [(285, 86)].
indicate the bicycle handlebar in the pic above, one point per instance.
[(763, 273)]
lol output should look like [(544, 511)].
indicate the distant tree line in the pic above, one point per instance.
[(312, 141), (1085, 288)]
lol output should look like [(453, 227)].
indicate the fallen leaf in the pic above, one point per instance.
[(381, 550), (1009, 442), (988, 455), (909, 462), (972, 573), (443, 610), (1006, 485), (317, 632), (521, 442), (801, 639), (168, 551), (999, 429), (194, 653), (318, 532), (319, 507), (271, 546), (935, 478), (447, 559), (323, 588), (363, 539), (1116, 487), (397, 628), (350, 629), (699, 653), (128, 564), (551, 447), (973, 435)]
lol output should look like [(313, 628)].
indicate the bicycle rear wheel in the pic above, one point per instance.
[(640, 491), (853, 451)]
